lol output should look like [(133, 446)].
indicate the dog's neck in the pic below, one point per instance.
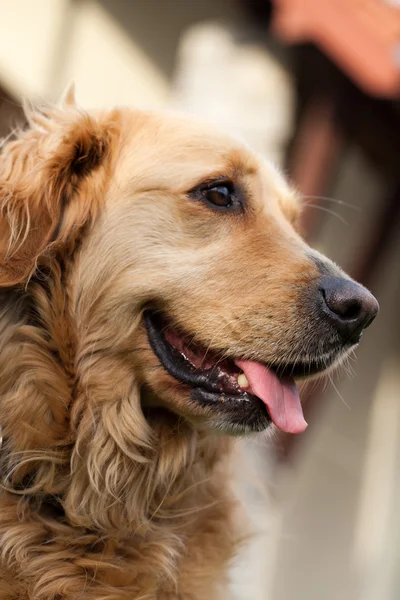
[(37, 376)]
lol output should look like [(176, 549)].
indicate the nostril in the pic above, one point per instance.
[(347, 308)]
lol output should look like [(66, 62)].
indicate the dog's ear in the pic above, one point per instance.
[(51, 180)]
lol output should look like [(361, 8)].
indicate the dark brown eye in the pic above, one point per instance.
[(220, 195)]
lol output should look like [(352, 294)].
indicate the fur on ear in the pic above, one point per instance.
[(51, 183)]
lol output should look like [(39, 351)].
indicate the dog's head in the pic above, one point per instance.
[(190, 281)]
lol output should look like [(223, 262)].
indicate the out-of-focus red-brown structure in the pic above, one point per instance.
[(361, 36)]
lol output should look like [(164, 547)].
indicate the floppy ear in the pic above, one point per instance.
[(51, 183)]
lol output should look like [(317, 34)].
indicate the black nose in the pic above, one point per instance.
[(350, 307)]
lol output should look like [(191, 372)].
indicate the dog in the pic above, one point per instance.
[(157, 301)]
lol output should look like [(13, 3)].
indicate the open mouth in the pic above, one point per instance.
[(236, 386)]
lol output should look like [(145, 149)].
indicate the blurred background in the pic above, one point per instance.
[(315, 86)]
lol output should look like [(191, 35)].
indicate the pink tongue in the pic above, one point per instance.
[(280, 396)]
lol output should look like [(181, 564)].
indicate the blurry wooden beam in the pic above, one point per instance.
[(314, 155)]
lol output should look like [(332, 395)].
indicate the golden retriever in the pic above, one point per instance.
[(155, 295)]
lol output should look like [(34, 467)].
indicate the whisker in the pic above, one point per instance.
[(337, 391), (327, 210), (335, 200)]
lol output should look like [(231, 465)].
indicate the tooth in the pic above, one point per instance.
[(242, 381)]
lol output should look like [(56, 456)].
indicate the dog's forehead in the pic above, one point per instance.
[(177, 151), (177, 140)]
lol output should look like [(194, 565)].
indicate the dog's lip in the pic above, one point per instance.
[(211, 374)]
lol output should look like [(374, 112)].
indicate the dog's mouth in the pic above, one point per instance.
[(216, 379)]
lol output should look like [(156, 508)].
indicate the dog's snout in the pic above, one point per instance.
[(349, 306)]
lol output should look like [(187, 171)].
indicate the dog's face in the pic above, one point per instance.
[(192, 273), (197, 245)]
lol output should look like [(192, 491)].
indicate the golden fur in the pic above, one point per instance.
[(100, 498)]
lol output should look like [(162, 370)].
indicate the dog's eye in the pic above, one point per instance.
[(220, 196)]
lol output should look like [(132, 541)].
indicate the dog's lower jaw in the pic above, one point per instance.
[(254, 417)]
